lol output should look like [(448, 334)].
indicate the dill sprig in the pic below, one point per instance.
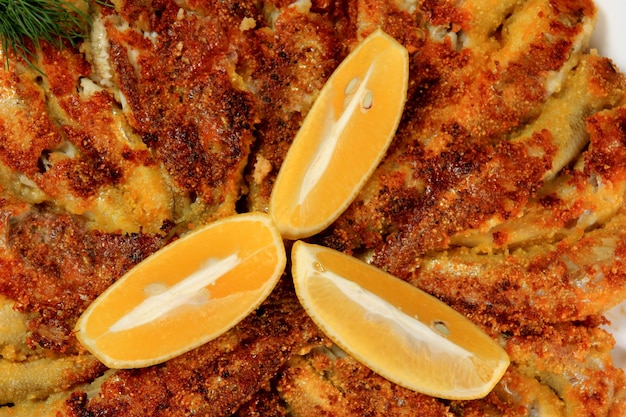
[(25, 23)]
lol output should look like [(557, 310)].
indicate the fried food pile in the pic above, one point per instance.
[(502, 194)]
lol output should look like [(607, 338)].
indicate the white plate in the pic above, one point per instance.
[(610, 33), (617, 327), (608, 39)]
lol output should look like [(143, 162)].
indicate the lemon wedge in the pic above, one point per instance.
[(395, 329), (191, 291), (342, 139)]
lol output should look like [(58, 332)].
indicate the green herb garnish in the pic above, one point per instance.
[(25, 23)]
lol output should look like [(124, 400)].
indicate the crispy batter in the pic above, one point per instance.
[(35, 374), (53, 265), (502, 194), (286, 67), (214, 379), (265, 403), (176, 74), (586, 383), (64, 141), (329, 383), (455, 164)]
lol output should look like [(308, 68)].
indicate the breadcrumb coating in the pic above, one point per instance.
[(502, 194)]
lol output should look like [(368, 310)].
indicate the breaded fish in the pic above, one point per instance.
[(330, 383), (502, 194)]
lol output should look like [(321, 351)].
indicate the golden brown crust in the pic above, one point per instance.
[(466, 124), (216, 378), (502, 194), (323, 384), (286, 67), (587, 350), (178, 86), (53, 265)]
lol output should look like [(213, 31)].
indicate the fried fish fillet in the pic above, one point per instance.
[(215, 379), (65, 142), (328, 382), (502, 194)]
